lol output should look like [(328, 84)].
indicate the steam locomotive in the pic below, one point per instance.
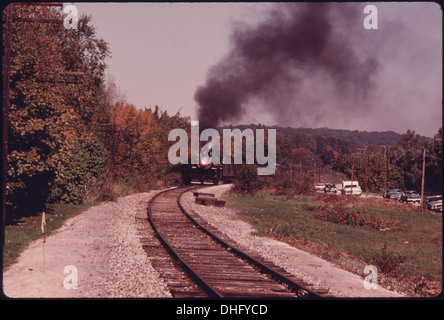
[(208, 172)]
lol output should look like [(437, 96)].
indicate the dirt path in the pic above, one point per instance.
[(103, 244)]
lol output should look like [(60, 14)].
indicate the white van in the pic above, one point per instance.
[(351, 188)]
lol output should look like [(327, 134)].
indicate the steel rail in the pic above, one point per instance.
[(275, 274), (209, 290)]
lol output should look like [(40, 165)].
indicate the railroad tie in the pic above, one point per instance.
[(207, 199), (204, 194), (210, 201)]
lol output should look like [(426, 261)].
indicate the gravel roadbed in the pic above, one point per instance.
[(103, 244)]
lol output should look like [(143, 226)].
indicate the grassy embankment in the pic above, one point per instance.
[(27, 229), (404, 242)]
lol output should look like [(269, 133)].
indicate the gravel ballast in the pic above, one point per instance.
[(103, 244), (312, 269)]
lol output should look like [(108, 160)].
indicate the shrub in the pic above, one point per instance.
[(301, 185), (87, 165), (387, 262), (248, 181), (305, 184), (335, 212)]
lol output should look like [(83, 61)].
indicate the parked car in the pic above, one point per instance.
[(319, 187), (393, 194), (411, 196), (330, 188), (434, 203), (351, 188)]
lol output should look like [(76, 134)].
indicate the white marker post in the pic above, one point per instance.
[(44, 240)]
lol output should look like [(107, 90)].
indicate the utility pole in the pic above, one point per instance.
[(365, 164), (5, 109), (365, 156), (353, 173), (387, 147), (423, 174), (314, 169)]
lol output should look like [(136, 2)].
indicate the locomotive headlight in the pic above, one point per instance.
[(205, 161)]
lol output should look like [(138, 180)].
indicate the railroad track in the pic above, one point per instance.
[(205, 265)]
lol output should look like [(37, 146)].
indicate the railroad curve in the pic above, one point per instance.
[(218, 268)]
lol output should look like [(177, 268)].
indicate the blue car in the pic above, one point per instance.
[(393, 194)]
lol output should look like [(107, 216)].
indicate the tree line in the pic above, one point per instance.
[(399, 165), (378, 160), (68, 137)]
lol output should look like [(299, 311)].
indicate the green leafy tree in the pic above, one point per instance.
[(407, 155), (83, 52), (375, 165), (433, 172), (48, 134)]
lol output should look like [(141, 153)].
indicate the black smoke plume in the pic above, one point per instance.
[(297, 64)]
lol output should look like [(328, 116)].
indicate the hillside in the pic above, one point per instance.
[(354, 138)]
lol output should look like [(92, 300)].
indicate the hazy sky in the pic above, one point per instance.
[(161, 54)]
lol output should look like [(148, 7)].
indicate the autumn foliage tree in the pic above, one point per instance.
[(68, 137), (52, 152), (139, 146)]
